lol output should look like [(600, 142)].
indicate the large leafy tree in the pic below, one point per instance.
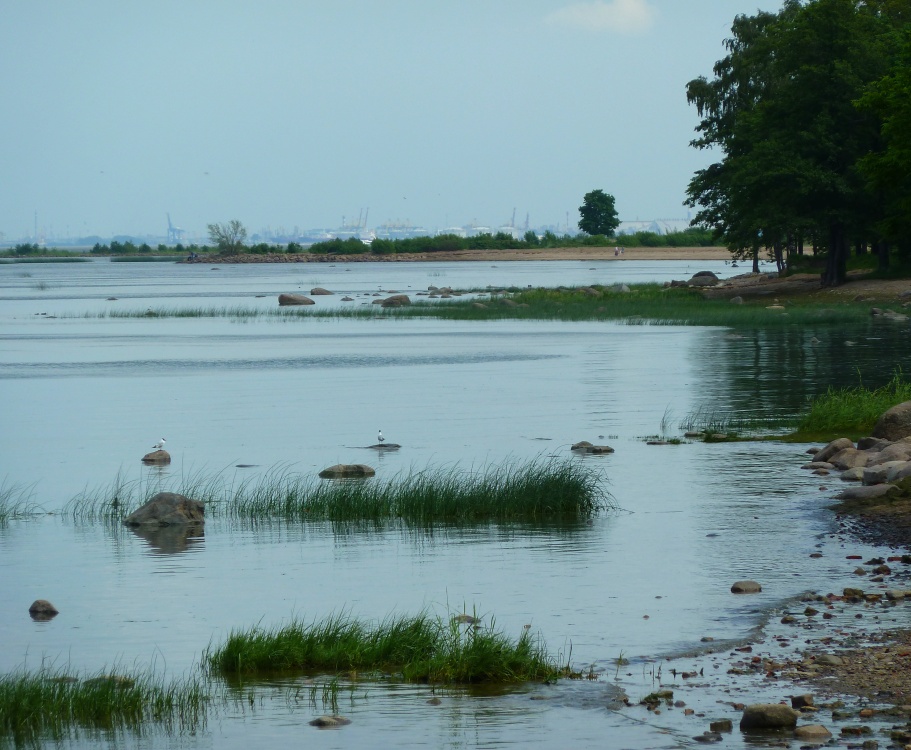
[(782, 111), (598, 214), (228, 237)]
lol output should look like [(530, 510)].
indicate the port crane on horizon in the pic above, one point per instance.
[(175, 234)]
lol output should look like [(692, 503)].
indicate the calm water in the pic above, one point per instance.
[(83, 399)]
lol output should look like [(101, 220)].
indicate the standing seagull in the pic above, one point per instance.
[(159, 445), (380, 436)]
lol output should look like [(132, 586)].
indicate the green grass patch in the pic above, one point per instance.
[(146, 258), (49, 703), (854, 410), (48, 259), (543, 491), (644, 304), (421, 648)]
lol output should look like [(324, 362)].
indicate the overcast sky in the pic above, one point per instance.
[(285, 113)]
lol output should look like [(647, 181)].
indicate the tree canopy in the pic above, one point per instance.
[(598, 214), (228, 237), (809, 111)]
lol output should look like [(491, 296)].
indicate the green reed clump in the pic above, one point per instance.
[(853, 410), (537, 491), (418, 649), (53, 703)]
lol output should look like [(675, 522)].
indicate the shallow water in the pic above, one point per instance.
[(84, 398)]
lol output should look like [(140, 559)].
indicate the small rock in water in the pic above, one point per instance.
[(329, 722), (42, 610), (746, 587)]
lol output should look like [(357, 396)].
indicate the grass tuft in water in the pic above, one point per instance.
[(421, 648), (854, 410), (539, 491), (52, 703), (16, 502)]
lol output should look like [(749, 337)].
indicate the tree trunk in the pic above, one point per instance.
[(755, 260), (837, 259), (860, 248), (882, 248), (779, 256)]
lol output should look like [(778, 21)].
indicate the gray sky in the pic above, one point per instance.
[(285, 113)]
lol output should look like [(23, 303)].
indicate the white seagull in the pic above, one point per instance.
[(159, 445), (380, 436)]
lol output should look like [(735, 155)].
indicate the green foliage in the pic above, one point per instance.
[(417, 649), (228, 237), (54, 704), (350, 246), (598, 214), (782, 109), (853, 411)]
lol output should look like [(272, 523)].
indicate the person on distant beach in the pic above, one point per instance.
[(616, 251)]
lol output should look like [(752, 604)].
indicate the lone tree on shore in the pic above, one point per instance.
[(598, 214), (228, 237)]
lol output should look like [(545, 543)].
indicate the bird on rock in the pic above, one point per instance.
[(380, 436), (159, 445)]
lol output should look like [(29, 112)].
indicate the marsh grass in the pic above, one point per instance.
[(645, 304), (53, 703), (548, 490), (420, 648), (713, 422), (854, 410), (16, 502)]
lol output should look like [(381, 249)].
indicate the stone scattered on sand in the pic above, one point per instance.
[(294, 299), (746, 587), (347, 471), (167, 509), (829, 660), (768, 716), (159, 457)]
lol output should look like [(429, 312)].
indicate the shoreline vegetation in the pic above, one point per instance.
[(423, 648), (550, 491)]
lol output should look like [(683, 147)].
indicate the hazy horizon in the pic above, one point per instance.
[(306, 114)]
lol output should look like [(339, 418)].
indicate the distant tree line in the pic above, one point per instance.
[(811, 112)]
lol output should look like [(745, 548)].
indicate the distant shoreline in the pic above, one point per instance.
[(530, 254)]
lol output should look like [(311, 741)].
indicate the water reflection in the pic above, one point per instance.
[(170, 540)]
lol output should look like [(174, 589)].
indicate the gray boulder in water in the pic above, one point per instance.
[(347, 471), (167, 509)]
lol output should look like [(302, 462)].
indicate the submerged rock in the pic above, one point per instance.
[(746, 587), (812, 732), (167, 509), (768, 716), (329, 722), (347, 471), (42, 610), (294, 299), (596, 450)]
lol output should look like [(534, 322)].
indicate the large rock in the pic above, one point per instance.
[(895, 423), (880, 474), (768, 716), (347, 471), (849, 458), (319, 291), (900, 451), (746, 587), (167, 509), (294, 299), (865, 493), (396, 300), (832, 448), (158, 457)]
